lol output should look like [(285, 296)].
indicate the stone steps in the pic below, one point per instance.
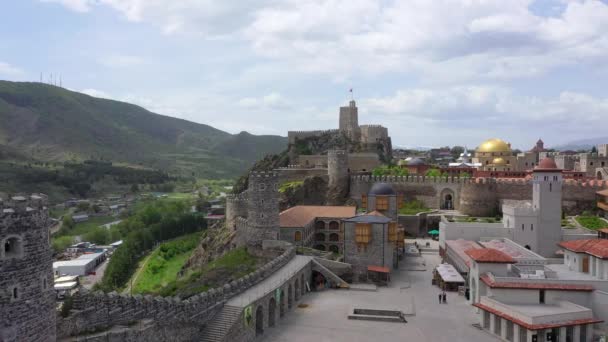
[(220, 325)]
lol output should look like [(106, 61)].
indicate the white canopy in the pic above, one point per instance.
[(449, 274)]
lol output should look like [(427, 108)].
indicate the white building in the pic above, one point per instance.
[(80, 266)]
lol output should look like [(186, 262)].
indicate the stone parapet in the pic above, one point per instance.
[(95, 311)]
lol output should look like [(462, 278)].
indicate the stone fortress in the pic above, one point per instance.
[(27, 297)]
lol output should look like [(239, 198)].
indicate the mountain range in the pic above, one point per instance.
[(48, 123)]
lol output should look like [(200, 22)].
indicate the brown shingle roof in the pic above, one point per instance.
[(489, 255), (301, 215)]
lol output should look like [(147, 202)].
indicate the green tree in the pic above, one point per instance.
[(68, 222), (83, 206), (433, 173), (61, 243), (97, 235), (386, 170)]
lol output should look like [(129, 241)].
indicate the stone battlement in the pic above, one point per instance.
[(468, 180), (23, 204), (93, 311), (263, 174), (293, 135), (237, 197), (336, 152), (372, 126), (291, 166)]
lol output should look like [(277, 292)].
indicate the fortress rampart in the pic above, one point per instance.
[(236, 206), (477, 196), (292, 136), (171, 317), (373, 133)]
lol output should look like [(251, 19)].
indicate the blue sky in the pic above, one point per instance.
[(441, 72)]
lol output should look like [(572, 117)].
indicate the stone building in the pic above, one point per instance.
[(370, 240), (319, 227), (27, 297)]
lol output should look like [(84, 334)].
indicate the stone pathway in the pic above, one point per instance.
[(271, 283)]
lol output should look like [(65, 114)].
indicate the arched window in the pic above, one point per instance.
[(298, 236), (13, 247), (334, 225), (320, 225), (320, 237), (334, 237)]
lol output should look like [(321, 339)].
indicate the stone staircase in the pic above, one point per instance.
[(220, 325)]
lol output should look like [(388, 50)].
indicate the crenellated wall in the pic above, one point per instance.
[(236, 206), (371, 134), (177, 319), (477, 196), (292, 136)]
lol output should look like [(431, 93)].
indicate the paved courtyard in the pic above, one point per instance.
[(325, 318)]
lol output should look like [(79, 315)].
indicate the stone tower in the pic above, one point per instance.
[(349, 122), (27, 296), (547, 201), (339, 177), (263, 208)]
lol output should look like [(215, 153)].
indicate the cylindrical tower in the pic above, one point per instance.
[(263, 207), (338, 172), (27, 296), (478, 198), (236, 206)]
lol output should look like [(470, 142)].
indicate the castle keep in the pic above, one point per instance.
[(27, 297)]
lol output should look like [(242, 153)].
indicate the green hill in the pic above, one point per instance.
[(52, 124)]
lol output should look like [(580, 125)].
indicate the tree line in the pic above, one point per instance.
[(157, 221)]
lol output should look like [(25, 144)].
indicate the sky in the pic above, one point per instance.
[(442, 72)]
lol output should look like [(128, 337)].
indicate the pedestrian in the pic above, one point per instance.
[(439, 297), (444, 298)]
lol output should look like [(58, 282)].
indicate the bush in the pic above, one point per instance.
[(61, 243), (387, 170)]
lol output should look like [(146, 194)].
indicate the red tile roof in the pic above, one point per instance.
[(301, 215), (534, 286), (378, 269), (536, 326), (603, 230), (595, 247), (489, 255)]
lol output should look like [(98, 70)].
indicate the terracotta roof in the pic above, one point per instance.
[(603, 192), (534, 286), (376, 213), (547, 164), (489, 255), (537, 326), (301, 215), (378, 269), (603, 230)]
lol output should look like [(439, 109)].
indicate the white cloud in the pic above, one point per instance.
[(9, 70)]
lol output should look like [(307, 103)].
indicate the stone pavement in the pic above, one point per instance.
[(325, 318), (271, 283)]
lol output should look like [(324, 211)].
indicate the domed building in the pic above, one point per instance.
[(495, 155)]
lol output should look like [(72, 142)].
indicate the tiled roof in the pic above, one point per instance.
[(534, 286), (489, 255), (301, 215), (603, 192), (603, 230), (595, 247), (537, 326)]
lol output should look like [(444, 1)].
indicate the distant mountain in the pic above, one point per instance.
[(49, 123), (583, 144)]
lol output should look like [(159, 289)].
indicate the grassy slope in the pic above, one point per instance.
[(592, 222), (158, 271), (51, 123)]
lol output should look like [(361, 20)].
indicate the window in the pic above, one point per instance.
[(381, 203), (298, 236), (363, 233), (541, 296), (364, 202), (44, 283), (15, 293), (13, 247), (532, 227), (591, 163), (262, 186), (334, 225), (392, 232)]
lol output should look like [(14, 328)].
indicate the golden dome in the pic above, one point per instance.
[(494, 145), (499, 161)]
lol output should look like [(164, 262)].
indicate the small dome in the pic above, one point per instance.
[(415, 162), (499, 161), (494, 145), (382, 189), (546, 164)]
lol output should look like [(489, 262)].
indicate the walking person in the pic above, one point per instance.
[(439, 297), (444, 298)]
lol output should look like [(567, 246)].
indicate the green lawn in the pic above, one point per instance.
[(164, 264), (566, 223), (592, 222), (413, 207)]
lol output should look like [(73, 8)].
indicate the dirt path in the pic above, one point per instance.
[(140, 268)]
